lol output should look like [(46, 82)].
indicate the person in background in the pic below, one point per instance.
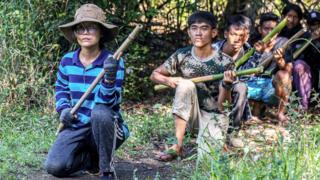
[(234, 46), (307, 65), (294, 15), (273, 88)]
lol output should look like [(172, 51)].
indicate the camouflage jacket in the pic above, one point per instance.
[(185, 63)]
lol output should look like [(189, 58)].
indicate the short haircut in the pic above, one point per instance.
[(202, 17), (238, 21), (294, 7), (268, 17)]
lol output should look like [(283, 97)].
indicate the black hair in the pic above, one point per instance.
[(103, 39), (202, 16), (239, 21), (294, 7), (268, 17)]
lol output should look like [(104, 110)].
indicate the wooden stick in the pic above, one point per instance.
[(215, 77), (116, 56)]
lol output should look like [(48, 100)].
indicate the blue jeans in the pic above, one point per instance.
[(84, 148)]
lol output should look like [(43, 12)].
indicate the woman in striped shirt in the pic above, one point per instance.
[(90, 135)]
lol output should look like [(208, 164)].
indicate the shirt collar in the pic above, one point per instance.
[(246, 46), (98, 62), (211, 56)]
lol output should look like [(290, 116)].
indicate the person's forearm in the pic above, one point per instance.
[(281, 63), (159, 78)]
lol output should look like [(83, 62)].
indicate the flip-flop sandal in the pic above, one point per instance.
[(254, 120), (168, 155)]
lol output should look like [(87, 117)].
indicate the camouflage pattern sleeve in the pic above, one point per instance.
[(252, 62), (171, 63)]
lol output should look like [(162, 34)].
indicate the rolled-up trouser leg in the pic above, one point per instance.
[(239, 99), (186, 105), (103, 130), (69, 153), (212, 132), (302, 81)]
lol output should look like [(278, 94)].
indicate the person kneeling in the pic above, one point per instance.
[(89, 137)]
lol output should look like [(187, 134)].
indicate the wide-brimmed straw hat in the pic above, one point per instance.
[(90, 13)]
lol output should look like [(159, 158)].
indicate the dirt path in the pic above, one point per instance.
[(144, 169), (140, 166)]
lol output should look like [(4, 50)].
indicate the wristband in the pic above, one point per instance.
[(226, 86)]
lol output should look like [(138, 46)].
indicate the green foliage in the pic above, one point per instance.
[(155, 124), (297, 158), (30, 52), (25, 139)]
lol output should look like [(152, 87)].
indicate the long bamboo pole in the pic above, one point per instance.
[(302, 48), (297, 52), (268, 59), (116, 56), (215, 77), (266, 39)]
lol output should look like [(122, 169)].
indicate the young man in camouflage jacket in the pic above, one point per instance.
[(195, 106)]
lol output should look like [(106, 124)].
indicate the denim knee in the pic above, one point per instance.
[(56, 168), (102, 114)]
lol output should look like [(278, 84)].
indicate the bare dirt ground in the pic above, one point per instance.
[(141, 166)]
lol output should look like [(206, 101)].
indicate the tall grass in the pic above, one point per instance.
[(296, 158)]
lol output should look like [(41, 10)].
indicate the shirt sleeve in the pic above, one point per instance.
[(112, 95), (253, 61), (171, 64), (62, 91)]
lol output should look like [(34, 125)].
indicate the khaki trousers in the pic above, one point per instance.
[(211, 126)]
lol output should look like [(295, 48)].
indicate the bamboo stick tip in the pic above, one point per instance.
[(160, 87), (140, 26)]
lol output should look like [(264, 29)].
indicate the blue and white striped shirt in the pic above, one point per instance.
[(73, 80)]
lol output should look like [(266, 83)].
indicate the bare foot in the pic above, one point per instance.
[(282, 119), (170, 154), (253, 120)]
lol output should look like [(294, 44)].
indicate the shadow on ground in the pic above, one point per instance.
[(143, 169)]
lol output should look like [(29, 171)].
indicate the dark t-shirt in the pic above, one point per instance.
[(288, 33), (311, 55)]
